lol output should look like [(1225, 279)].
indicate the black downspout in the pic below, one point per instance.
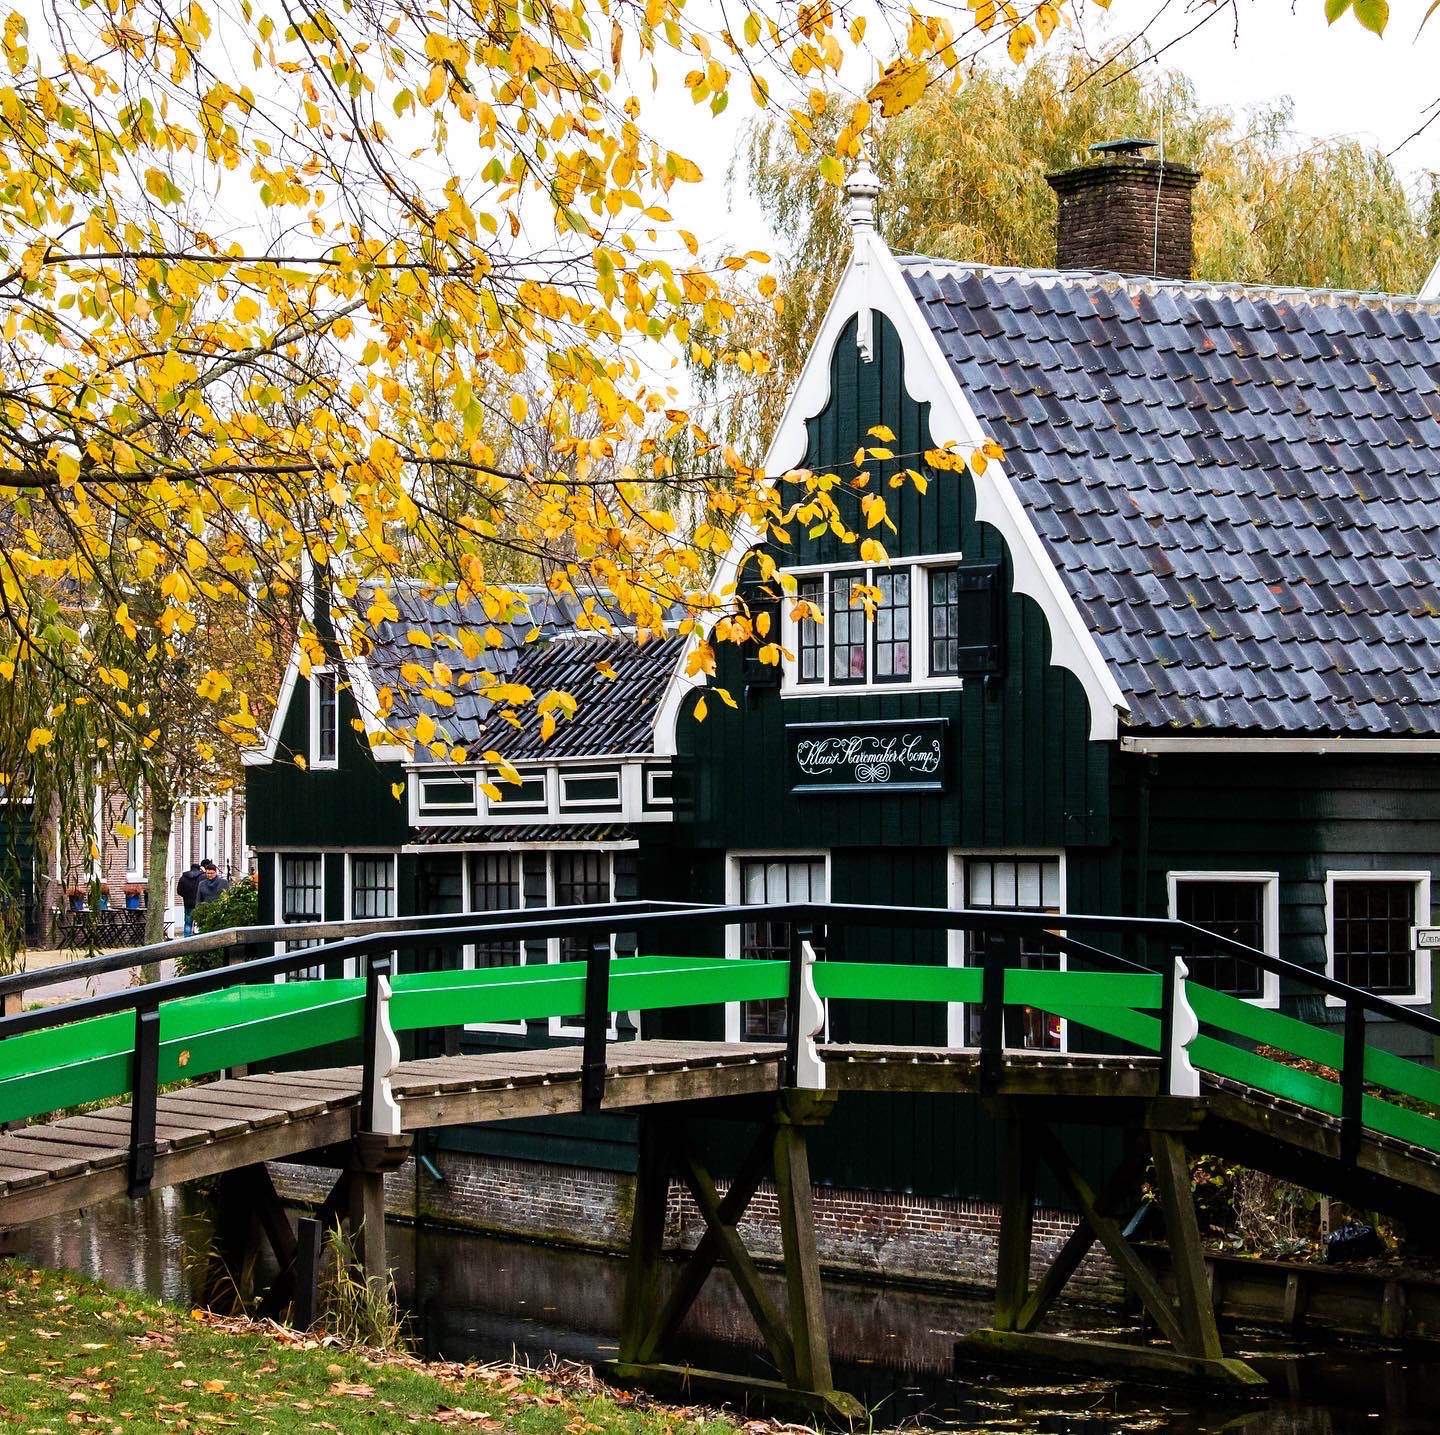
[(1142, 854)]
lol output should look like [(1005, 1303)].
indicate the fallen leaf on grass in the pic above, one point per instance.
[(458, 1415), (341, 1387)]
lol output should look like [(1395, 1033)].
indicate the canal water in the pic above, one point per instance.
[(476, 1298)]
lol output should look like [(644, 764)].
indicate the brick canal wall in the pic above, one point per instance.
[(864, 1234)]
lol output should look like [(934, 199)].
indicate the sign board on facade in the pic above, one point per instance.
[(1427, 938), (902, 755)]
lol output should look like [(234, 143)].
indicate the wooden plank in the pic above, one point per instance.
[(17, 1177), (176, 1124), (1017, 1222), (117, 1133), (1109, 1357), (98, 1141), (647, 1238), (199, 1108), (323, 1079), (297, 1103), (808, 1334), (97, 1156), (1177, 1205)]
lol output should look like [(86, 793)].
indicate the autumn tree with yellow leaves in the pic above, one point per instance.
[(281, 284)]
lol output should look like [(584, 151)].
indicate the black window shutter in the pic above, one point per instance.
[(978, 616), (757, 597)]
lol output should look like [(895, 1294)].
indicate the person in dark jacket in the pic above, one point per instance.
[(188, 890), (212, 884)]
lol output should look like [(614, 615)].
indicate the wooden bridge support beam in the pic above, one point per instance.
[(250, 1212), (796, 1339), (1188, 1324)]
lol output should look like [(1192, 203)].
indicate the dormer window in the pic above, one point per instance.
[(934, 621), (324, 718)]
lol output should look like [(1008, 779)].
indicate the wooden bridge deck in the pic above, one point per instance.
[(204, 1130), (208, 1129)]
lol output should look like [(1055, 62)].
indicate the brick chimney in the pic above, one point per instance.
[(1108, 218)]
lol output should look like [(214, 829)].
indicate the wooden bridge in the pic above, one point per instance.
[(1174, 1066)]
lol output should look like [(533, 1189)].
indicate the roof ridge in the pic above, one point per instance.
[(1150, 284)]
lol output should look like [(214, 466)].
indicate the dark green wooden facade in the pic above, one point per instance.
[(1024, 777)]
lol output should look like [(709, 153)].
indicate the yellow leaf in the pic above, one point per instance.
[(424, 728), (246, 310), (39, 737), (726, 698), (519, 409), (901, 85), (700, 710)]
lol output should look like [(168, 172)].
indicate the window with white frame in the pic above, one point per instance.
[(372, 886), (301, 896), (766, 879), (1243, 906), (1371, 924), (899, 624), (495, 886), (134, 822), (579, 877), (212, 829), (495, 883), (1011, 882), (324, 718)]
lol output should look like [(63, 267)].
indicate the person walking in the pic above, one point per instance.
[(188, 890), (211, 884)]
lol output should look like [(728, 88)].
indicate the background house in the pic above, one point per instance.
[(1175, 652)]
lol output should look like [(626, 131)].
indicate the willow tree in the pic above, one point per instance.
[(963, 176)]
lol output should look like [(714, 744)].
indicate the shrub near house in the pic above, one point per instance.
[(237, 906)]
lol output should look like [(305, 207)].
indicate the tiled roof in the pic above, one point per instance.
[(1240, 487), (523, 832), (438, 619), (617, 683)]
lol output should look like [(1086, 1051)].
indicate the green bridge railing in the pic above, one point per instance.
[(134, 1041)]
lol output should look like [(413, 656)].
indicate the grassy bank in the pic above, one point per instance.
[(76, 1355)]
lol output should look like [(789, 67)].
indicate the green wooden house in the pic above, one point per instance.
[(1176, 652)]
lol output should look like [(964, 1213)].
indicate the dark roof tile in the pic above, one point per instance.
[(1240, 488)]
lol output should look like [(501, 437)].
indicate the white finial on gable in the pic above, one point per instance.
[(862, 189)]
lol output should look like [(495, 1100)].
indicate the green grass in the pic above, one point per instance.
[(79, 1356)]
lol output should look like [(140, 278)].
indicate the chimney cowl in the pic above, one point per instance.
[(1126, 214)]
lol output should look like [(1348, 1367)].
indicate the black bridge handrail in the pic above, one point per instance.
[(457, 928), (228, 937)]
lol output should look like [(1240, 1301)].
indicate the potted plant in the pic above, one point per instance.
[(77, 898), (134, 895)]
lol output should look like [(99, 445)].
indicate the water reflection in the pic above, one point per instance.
[(473, 1297)]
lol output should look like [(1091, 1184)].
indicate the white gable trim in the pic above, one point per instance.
[(1431, 287), (873, 281), (929, 377), (362, 689)]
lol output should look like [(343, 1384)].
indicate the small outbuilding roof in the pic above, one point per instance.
[(617, 682), (1240, 487)]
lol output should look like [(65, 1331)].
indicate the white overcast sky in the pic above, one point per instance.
[(1342, 79)]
